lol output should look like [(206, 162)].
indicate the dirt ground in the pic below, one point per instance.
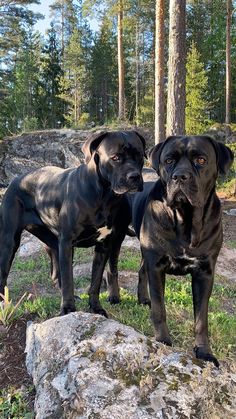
[(12, 341)]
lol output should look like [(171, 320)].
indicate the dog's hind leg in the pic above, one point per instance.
[(10, 236), (51, 247), (143, 294), (54, 264)]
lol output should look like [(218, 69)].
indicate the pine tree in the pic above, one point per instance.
[(103, 75), (73, 81), (50, 105), (175, 123), (196, 86)]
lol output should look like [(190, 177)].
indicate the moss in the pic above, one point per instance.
[(88, 333), (128, 377), (174, 386)]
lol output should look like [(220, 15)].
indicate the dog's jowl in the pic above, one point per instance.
[(178, 221), (78, 207)]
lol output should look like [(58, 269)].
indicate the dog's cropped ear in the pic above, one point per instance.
[(154, 156), (224, 156), (143, 142), (92, 143), (155, 153)]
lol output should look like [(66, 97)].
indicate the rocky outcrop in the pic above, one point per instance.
[(19, 154), (85, 366)]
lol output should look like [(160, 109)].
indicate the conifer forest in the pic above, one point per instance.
[(125, 69)]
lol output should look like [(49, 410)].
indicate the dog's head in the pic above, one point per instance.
[(188, 167), (118, 157)]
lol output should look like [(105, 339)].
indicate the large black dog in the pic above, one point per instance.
[(78, 207), (178, 222)]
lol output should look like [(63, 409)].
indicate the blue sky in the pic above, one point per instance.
[(43, 8), (43, 24)]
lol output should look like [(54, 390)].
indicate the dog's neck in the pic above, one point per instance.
[(100, 187), (193, 219)]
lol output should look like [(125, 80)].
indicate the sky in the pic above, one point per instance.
[(43, 24)]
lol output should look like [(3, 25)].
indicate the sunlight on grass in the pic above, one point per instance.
[(34, 273)]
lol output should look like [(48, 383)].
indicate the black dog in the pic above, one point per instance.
[(77, 207), (178, 222)]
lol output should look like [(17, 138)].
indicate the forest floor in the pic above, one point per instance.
[(31, 273)]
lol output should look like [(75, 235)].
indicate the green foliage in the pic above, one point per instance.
[(129, 260), (146, 109), (73, 81), (30, 124), (13, 405), (227, 183), (196, 85), (8, 311)]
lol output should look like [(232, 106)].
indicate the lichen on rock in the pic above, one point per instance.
[(86, 366)]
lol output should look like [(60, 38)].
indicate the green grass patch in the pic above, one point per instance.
[(129, 260), (178, 299), (226, 183), (83, 255), (179, 308), (14, 405), (42, 307), (231, 244)]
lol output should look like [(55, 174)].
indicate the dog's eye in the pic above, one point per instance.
[(115, 158), (200, 160), (169, 161)]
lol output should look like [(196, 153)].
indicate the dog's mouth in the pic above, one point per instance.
[(125, 187), (180, 195)]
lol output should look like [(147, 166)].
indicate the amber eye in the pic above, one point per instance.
[(115, 158), (200, 160), (169, 161)]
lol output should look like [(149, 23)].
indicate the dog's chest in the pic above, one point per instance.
[(103, 232), (95, 230)]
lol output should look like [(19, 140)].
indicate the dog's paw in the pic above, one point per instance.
[(114, 300), (67, 309), (145, 302), (98, 310), (206, 356)]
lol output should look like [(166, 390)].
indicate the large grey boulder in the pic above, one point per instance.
[(22, 153), (85, 366)]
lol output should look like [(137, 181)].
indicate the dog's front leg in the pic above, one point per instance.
[(201, 288), (67, 285), (156, 278), (99, 261)]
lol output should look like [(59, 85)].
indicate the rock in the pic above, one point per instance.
[(25, 152), (222, 133), (59, 147), (86, 366)]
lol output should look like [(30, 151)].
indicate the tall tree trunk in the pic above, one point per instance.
[(159, 72), (228, 63), (176, 69), (137, 74), (121, 111)]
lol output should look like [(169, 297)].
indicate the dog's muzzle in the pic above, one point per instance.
[(134, 181)]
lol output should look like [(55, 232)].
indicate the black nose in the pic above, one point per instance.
[(180, 176), (133, 177)]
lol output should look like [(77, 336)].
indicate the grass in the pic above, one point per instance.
[(129, 260), (178, 299), (14, 405), (231, 244), (32, 275)]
